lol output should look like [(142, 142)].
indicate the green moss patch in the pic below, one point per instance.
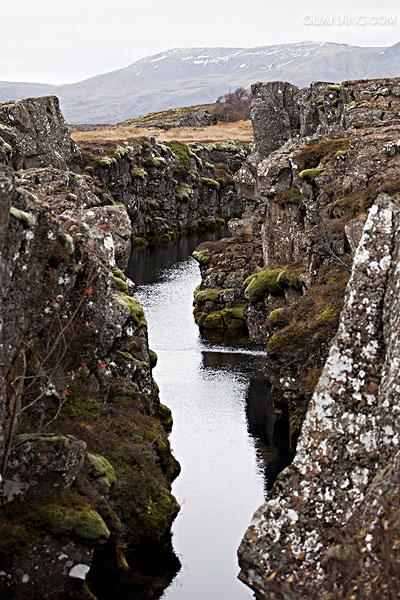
[(309, 175), (138, 172), (121, 283), (103, 471), (210, 183), (134, 307), (153, 358), (184, 191), (309, 324), (221, 320), (270, 281), (207, 295), (202, 256), (278, 317), (183, 153), (289, 279), (68, 515)]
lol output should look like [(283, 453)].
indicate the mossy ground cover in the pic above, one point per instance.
[(67, 515), (270, 281), (137, 447), (308, 324), (231, 318)]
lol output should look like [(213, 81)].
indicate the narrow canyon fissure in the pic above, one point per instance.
[(226, 436)]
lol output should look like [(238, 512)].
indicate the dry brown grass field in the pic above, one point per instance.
[(240, 131)]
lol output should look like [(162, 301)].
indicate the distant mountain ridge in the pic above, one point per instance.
[(186, 76)]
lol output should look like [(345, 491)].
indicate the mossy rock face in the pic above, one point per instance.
[(222, 320), (121, 283), (207, 295), (291, 195), (118, 273), (335, 87), (134, 307), (322, 153), (28, 219), (81, 407), (289, 279), (165, 416), (262, 283), (160, 511), (329, 315), (184, 191), (309, 175), (234, 318), (278, 317), (286, 341), (202, 257), (83, 522), (153, 358), (341, 154), (214, 321), (138, 173), (183, 152), (124, 393), (210, 183), (103, 471)]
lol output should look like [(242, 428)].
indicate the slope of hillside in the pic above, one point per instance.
[(181, 77)]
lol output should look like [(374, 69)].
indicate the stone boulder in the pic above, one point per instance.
[(33, 133)]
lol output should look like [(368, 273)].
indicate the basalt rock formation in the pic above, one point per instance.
[(168, 189), (330, 527), (86, 467), (321, 188), (314, 172)]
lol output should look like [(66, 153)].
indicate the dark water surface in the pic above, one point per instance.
[(224, 423)]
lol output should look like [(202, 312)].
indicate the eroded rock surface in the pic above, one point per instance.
[(324, 173), (321, 528), (306, 202), (168, 189), (85, 459)]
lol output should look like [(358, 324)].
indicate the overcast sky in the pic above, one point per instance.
[(62, 41)]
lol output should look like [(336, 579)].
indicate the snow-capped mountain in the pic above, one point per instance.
[(186, 76)]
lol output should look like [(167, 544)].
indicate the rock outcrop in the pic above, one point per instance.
[(321, 186), (306, 202), (86, 467), (324, 173), (330, 525), (168, 189)]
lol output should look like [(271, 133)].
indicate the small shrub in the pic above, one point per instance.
[(291, 195)]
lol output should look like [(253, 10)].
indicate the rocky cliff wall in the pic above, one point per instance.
[(86, 467), (324, 173), (330, 526), (168, 189), (306, 205)]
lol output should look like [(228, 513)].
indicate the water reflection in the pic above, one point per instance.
[(269, 429), (226, 436), (147, 265)]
